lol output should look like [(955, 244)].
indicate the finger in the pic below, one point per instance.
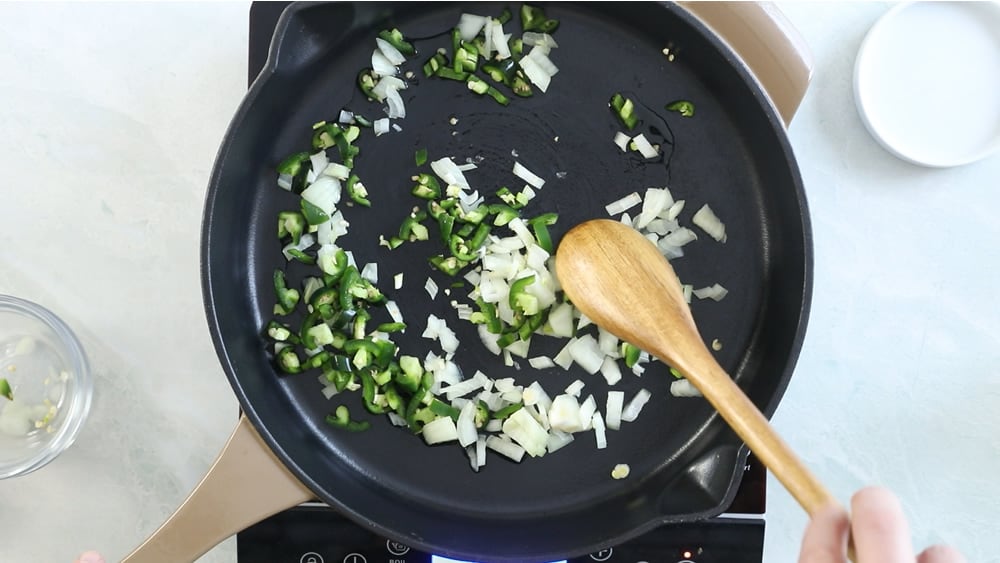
[(940, 554), (881, 532), (825, 540), (90, 557)]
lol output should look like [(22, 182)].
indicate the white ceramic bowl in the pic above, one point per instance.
[(927, 81), (50, 381)]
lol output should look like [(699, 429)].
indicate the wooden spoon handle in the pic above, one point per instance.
[(748, 422)]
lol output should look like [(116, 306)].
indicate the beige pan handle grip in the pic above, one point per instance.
[(766, 41), (245, 485)]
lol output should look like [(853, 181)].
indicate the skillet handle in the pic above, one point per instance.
[(766, 41), (245, 485)]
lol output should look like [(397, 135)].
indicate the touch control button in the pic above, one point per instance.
[(602, 555), (311, 557), (396, 548)]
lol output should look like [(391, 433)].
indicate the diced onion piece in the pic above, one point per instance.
[(381, 65), (564, 414), (598, 425), (675, 210), (557, 440), (494, 425), (541, 362), (644, 147), (527, 432), (447, 170), (480, 451), (540, 54), (337, 170), (394, 312), (613, 411), (620, 471), (500, 42), (607, 342), (624, 204), (505, 448), (705, 219), (587, 354), (587, 409), (396, 127), (684, 388), (329, 390), (656, 201), (535, 394), (715, 291), (385, 84), (440, 430), (285, 181), (533, 39), (687, 290), (575, 388), (381, 126), (489, 339), (528, 176), (621, 139), (584, 321), (564, 358), (466, 426), (519, 348), (535, 73), (397, 281), (324, 193), (391, 53), (395, 419), (467, 166), (346, 116), (679, 238), (396, 109), (305, 241), (611, 371), (634, 407), (319, 161), (370, 272), (469, 26), (432, 288), (561, 320)]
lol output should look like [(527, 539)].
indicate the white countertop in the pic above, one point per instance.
[(111, 117)]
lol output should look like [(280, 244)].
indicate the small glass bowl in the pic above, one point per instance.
[(47, 375)]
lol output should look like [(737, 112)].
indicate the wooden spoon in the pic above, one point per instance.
[(622, 282)]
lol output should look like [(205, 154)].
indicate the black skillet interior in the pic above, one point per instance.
[(732, 155)]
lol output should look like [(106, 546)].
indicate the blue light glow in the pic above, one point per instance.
[(439, 559)]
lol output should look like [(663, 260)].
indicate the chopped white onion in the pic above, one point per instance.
[(396, 127), (634, 407), (564, 414), (346, 116), (598, 424), (528, 176), (564, 358), (715, 291), (540, 54), (558, 440), (467, 166), (432, 288), (440, 430), (324, 193), (679, 238), (381, 126), (370, 272), (533, 39), (381, 65), (391, 53), (561, 320), (447, 170), (480, 451), (396, 108), (385, 84), (285, 181), (505, 448), (397, 281), (500, 42), (466, 426), (587, 409), (684, 388), (527, 432), (687, 289), (494, 425), (575, 388), (644, 147), (587, 354), (329, 390), (675, 210), (607, 342), (319, 161), (489, 339), (624, 204), (535, 73), (305, 241), (611, 371), (519, 348), (613, 411), (488, 38), (705, 219), (394, 312), (396, 420), (541, 362), (657, 200), (337, 170), (469, 26), (621, 139)]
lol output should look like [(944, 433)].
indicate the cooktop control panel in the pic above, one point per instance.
[(317, 534)]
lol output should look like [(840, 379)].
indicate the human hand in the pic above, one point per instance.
[(880, 531), (89, 557)]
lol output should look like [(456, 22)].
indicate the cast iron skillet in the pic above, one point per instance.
[(733, 154)]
